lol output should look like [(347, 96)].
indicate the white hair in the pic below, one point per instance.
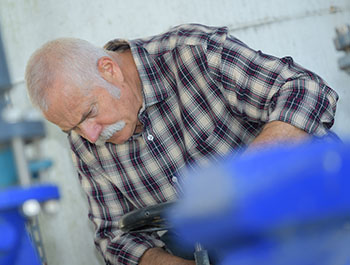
[(72, 60)]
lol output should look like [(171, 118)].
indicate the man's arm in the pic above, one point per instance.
[(158, 256), (263, 89), (276, 132), (106, 205)]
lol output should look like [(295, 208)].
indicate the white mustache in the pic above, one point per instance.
[(108, 132)]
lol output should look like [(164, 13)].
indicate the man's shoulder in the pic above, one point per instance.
[(184, 34)]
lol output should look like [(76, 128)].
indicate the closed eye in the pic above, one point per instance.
[(93, 111)]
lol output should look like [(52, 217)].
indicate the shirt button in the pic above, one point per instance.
[(150, 137), (174, 179)]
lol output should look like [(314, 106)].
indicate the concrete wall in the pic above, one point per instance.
[(301, 29)]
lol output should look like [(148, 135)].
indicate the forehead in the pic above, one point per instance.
[(66, 105)]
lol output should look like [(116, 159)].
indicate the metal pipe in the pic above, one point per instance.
[(21, 161)]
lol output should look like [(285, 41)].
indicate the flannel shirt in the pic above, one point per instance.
[(205, 94)]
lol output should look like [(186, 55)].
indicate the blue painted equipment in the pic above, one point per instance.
[(7, 167), (287, 205), (16, 191), (16, 247)]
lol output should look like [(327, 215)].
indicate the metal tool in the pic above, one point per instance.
[(342, 43), (154, 219)]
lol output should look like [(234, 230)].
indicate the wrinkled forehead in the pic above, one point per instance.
[(66, 105)]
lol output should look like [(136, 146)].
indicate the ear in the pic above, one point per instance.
[(109, 70)]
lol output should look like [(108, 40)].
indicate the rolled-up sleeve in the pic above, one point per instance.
[(304, 100), (262, 88)]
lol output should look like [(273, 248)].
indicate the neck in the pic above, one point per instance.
[(126, 62), (127, 65)]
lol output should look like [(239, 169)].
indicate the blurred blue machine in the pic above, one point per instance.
[(288, 205), (19, 200)]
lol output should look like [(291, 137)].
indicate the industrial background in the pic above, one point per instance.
[(302, 29)]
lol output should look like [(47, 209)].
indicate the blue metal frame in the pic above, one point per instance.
[(288, 205), (16, 246)]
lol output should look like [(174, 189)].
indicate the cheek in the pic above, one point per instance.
[(125, 113), (108, 113), (118, 110)]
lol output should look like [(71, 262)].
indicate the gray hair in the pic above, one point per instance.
[(71, 60)]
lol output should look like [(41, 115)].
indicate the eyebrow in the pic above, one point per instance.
[(83, 118)]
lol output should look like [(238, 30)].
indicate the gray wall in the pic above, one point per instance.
[(301, 29)]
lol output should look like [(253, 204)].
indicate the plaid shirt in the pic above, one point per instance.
[(205, 94)]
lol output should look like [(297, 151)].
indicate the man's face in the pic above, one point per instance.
[(98, 116)]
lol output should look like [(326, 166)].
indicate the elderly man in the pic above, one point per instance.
[(138, 111)]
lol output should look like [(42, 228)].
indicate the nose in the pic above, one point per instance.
[(90, 130)]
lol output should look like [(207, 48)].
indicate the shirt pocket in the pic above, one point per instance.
[(199, 134), (216, 141)]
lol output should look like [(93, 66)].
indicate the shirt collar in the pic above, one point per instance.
[(156, 82)]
